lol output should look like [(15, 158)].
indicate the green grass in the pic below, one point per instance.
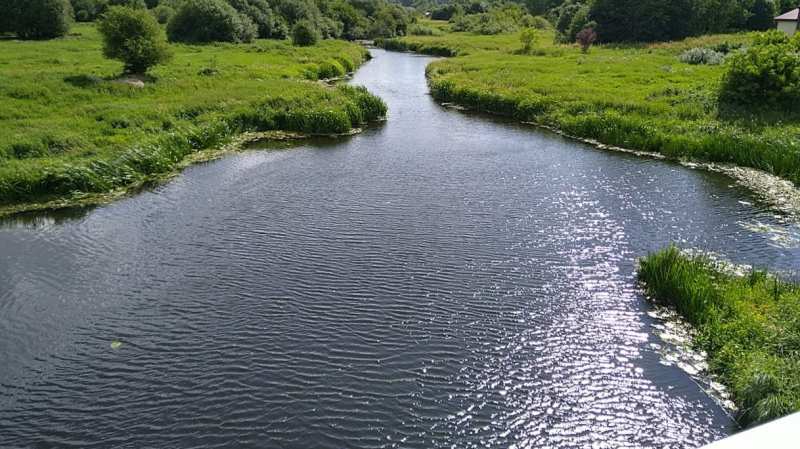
[(63, 135), (749, 326), (639, 97)]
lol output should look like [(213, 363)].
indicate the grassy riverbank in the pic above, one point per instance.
[(68, 129), (749, 325), (639, 97)]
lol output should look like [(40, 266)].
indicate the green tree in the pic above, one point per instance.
[(304, 34), (133, 37), (133, 4), (347, 15), (642, 20), (270, 25), (41, 19), (203, 21)]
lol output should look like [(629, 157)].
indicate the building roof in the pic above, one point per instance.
[(789, 16)]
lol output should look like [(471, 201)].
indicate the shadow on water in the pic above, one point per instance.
[(43, 219)]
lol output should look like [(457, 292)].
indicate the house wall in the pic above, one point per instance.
[(787, 27)]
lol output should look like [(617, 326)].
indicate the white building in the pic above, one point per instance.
[(788, 22)]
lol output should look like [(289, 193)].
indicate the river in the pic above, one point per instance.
[(444, 279)]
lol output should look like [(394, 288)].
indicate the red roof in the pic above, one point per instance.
[(790, 16)]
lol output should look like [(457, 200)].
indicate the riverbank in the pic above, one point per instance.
[(746, 322), (71, 134), (637, 97)]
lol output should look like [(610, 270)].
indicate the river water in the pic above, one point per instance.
[(441, 280)]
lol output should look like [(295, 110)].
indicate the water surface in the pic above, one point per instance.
[(441, 280)]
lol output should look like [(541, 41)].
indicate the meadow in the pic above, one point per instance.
[(69, 130), (749, 325), (639, 97)]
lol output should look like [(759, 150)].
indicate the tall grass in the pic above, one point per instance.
[(639, 97), (749, 326), (67, 129)]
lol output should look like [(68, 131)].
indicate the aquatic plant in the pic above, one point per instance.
[(749, 326)]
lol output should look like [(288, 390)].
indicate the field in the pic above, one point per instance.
[(68, 129), (639, 97), (749, 325)]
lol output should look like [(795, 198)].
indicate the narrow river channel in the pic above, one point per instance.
[(441, 280)]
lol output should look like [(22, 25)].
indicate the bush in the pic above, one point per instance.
[(133, 37), (88, 10), (133, 4), (705, 56), (765, 75), (269, 24), (585, 38), (41, 19), (203, 21), (529, 37), (304, 34), (163, 14)]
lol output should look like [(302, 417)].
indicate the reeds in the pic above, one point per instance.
[(749, 326)]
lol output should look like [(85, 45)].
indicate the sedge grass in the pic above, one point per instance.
[(66, 129), (748, 325)]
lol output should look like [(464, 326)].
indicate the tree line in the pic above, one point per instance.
[(630, 20), (201, 21)]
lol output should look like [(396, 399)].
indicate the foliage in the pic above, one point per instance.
[(529, 37), (765, 75), (69, 129), (269, 24), (88, 10), (38, 19), (349, 17), (202, 21), (133, 37), (747, 325), (696, 56), (163, 13), (585, 38), (642, 20), (304, 34), (447, 11), (133, 4), (763, 16)]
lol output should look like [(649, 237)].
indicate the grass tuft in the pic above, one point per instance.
[(749, 326)]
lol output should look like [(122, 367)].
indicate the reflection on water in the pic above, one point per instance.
[(440, 280)]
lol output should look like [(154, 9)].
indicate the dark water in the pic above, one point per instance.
[(441, 280)]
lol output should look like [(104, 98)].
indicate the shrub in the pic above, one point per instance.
[(585, 38), (41, 19), (529, 37), (538, 22), (421, 30), (304, 34), (88, 10), (705, 56), (269, 24), (726, 47), (133, 4), (203, 21), (330, 69), (765, 75), (133, 37), (163, 13)]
